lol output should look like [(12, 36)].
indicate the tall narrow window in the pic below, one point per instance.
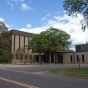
[(14, 42), (28, 42), (71, 58), (30, 56), (19, 42), (24, 42), (77, 57), (82, 58)]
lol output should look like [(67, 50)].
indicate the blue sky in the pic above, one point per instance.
[(38, 15), (21, 12)]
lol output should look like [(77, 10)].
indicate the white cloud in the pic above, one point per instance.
[(70, 25), (25, 7), (44, 18), (48, 14), (17, 1), (1, 20), (8, 26), (11, 5), (28, 26)]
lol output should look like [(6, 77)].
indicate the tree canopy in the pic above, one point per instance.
[(73, 7), (50, 41), (3, 27), (36, 44), (56, 39), (5, 46)]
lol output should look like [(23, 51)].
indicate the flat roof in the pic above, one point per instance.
[(58, 51), (21, 33)]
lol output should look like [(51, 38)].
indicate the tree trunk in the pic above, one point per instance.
[(55, 58), (50, 57), (40, 61)]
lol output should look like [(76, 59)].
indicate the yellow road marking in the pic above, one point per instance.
[(18, 83)]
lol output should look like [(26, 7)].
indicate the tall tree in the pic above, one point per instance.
[(36, 44), (3, 27), (5, 46), (21, 54), (50, 40), (56, 39), (73, 7)]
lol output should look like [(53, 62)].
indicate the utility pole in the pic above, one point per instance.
[(79, 62)]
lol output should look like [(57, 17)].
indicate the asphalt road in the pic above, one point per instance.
[(37, 77)]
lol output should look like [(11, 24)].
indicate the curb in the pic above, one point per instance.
[(66, 75)]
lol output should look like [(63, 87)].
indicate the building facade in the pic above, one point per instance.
[(82, 53), (20, 40)]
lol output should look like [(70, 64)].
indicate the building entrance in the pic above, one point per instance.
[(60, 58)]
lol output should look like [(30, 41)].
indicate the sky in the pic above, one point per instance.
[(35, 16)]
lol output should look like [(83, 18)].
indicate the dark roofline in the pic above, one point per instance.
[(21, 33), (65, 51), (81, 44), (58, 51)]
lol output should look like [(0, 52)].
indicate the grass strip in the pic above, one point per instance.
[(82, 72)]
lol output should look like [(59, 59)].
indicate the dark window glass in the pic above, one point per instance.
[(14, 42), (77, 57), (82, 58), (71, 58), (30, 56), (28, 42), (21, 56)]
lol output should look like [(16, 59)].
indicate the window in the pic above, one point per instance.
[(82, 58), (71, 58), (21, 56), (77, 57), (30, 56), (14, 42), (28, 42), (19, 42)]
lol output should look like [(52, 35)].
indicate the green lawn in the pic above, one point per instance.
[(82, 72)]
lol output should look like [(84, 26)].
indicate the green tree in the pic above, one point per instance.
[(3, 27), (73, 7), (5, 46), (50, 40), (55, 39), (26, 56), (36, 44), (6, 57), (20, 54)]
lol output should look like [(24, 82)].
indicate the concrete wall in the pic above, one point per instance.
[(67, 58), (16, 42), (23, 42), (80, 56), (12, 43)]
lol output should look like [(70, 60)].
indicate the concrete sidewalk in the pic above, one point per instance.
[(17, 65), (45, 64)]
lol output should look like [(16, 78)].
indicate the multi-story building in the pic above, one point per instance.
[(82, 53), (20, 39)]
